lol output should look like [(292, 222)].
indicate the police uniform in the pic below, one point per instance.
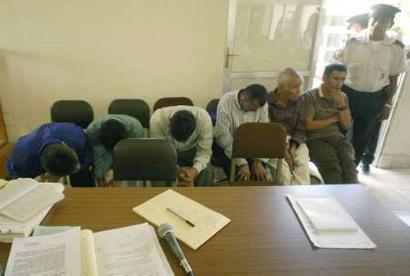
[(370, 64)]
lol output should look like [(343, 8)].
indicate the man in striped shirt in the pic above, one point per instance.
[(234, 109)]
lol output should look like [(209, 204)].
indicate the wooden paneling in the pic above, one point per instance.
[(4, 153), (5, 147)]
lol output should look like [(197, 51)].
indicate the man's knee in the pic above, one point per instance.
[(205, 177)]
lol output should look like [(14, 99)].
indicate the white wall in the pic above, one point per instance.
[(395, 152), (99, 50)]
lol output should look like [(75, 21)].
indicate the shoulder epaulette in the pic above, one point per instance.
[(398, 42)]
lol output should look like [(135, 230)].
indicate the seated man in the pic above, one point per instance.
[(284, 108), (189, 129), (327, 110), (234, 109), (50, 152), (104, 134)]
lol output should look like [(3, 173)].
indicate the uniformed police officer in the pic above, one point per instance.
[(358, 23), (374, 59)]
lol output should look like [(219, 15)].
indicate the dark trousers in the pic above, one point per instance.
[(186, 159), (368, 155), (83, 178), (365, 109), (334, 157), (219, 159)]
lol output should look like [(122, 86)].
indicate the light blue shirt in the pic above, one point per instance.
[(103, 156)]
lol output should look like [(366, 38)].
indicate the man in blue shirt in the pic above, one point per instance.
[(50, 152)]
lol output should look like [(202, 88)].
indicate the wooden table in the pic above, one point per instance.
[(264, 237)]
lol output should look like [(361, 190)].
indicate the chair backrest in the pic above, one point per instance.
[(73, 111), (212, 107), (259, 140), (172, 101), (144, 159), (136, 108)]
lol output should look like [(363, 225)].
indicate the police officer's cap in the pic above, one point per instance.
[(361, 19), (383, 11)]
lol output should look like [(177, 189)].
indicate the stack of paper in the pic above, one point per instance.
[(328, 225), (193, 223), (23, 204), (132, 250)]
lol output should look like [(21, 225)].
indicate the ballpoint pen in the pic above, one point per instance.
[(181, 217)]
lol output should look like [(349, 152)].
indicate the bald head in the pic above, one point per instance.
[(289, 83)]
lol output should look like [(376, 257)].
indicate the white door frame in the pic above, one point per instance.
[(230, 37)]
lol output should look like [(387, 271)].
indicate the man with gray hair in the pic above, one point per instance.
[(284, 108)]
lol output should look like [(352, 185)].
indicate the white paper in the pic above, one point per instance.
[(31, 204), (332, 239), (8, 225), (10, 229), (326, 214), (26, 206), (132, 250), (57, 254), (41, 230), (207, 222), (16, 189)]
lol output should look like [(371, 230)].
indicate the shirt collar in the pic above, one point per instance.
[(321, 95), (237, 99), (364, 36)]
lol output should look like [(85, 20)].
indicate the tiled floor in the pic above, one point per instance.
[(391, 188)]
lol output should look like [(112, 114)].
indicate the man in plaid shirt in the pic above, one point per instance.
[(284, 108)]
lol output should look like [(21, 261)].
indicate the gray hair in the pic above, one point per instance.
[(287, 74)]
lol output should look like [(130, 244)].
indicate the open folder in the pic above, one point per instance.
[(193, 223), (132, 250), (24, 198)]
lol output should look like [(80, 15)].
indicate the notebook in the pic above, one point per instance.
[(132, 250), (206, 221)]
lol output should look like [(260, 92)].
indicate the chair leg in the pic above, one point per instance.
[(278, 170), (232, 176)]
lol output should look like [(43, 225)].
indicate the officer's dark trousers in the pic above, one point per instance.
[(368, 155), (365, 108)]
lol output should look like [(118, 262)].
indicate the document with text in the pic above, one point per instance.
[(57, 254), (131, 250)]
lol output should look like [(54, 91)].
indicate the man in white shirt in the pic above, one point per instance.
[(189, 129), (374, 60), (234, 109)]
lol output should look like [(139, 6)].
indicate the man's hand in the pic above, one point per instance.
[(385, 113), (46, 177), (187, 175), (185, 184), (289, 159), (338, 96), (244, 173), (258, 170)]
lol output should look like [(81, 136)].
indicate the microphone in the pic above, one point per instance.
[(166, 232)]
